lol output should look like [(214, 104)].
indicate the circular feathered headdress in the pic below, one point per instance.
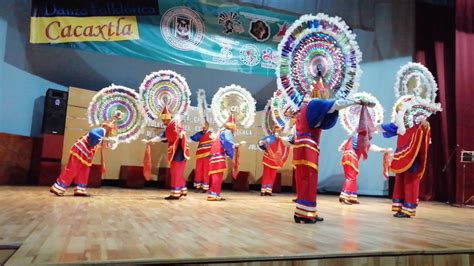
[(318, 46), (267, 120), (410, 110), (164, 88), (415, 79), (113, 100), (233, 101)]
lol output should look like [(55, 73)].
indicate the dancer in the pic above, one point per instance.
[(230, 105), (223, 146), (415, 89), (275, 156), (81, 155), (318, 59), (201, 172), (410, 157), (178, 152), (350, 164), (360, 122), (316, 114)]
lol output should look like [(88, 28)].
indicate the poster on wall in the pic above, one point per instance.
[(217, 34)]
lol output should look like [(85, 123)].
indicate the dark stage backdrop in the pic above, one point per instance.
[(443, 42)]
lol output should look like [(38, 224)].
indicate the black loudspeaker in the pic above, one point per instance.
[(54, 115)]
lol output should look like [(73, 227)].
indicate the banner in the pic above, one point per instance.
[(211, 34), (72, 29)]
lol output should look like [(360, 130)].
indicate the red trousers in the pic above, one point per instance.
[(201, 176), (306, 191), (349, 189), (405, 193), (178, 182), (216, 184), (268, 179), (74, 170)]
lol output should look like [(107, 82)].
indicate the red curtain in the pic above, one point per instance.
[(464, 69), (439, 47)]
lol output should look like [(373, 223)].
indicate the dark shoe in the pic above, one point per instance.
[(263, 194), (302, 220), (294, 200), (345, 201), (203, 191), (171, 197), (401, 215), (268, 194)]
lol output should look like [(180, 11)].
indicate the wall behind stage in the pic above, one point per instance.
[(21, 92), (27, 70)]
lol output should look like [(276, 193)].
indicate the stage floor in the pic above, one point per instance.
[(124, 225)]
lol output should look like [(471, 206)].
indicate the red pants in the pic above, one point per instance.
[(201, 176), (216, 183), (349, 189), (405, 193), (306, 191), (178, 182), (269, 175), (75, 170)]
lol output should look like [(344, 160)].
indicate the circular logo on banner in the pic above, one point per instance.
[(182, 28), (250, 55)]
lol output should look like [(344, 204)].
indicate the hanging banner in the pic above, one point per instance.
[(210, 34), (83, 29)]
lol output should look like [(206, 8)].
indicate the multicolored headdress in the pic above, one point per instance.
[(415, 79), (267, 119), (164, 89), (235, 103), (317, 47), (276, 113), (118, 110), (410, 110)]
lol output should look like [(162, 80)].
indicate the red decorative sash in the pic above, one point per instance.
[(147, 163), (410, 146), (236, 163)]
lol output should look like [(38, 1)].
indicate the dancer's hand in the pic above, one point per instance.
[(146, 141)]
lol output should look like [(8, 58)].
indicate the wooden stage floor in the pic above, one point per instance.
[(138, 226)]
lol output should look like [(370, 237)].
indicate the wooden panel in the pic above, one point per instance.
[(140, 226), (132, 154), (80, 97), (15, 159), (5, 254)]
